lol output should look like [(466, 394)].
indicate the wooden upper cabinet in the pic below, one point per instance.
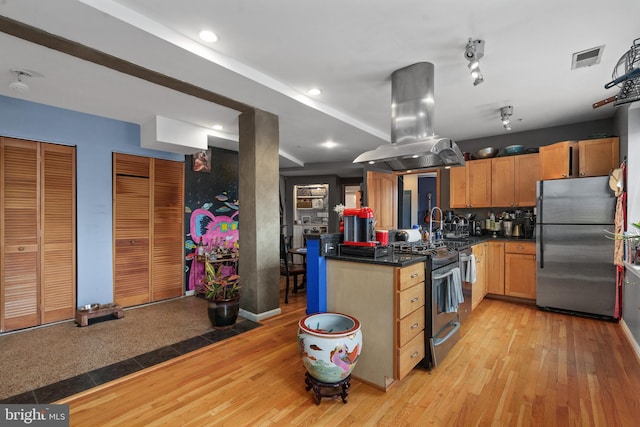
[(571, 159), (382, 197), (559, 160), (598, 157), (479, 183), (502, 181), (527, 172), (458, 187)]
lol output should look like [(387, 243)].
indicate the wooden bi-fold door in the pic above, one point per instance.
[(37, 233), (148, 229)]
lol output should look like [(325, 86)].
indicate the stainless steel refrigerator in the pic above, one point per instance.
[(575, 270)]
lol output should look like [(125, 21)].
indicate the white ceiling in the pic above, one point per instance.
[(271, 52)]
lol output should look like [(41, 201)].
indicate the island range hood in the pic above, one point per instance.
[(413, 142)]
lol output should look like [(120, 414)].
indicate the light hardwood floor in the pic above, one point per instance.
[(514, 366)]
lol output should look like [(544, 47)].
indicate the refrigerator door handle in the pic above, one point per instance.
[(541, 243), (540, 221)]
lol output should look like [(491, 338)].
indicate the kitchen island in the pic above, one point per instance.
[(387, 296)]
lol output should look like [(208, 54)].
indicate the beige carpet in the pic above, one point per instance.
[(36, 357)]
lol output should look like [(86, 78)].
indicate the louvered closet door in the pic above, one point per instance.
[(19, 203), (58, 249), (131, 229), (167, 269)]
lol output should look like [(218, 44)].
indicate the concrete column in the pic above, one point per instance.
[(259, 215)]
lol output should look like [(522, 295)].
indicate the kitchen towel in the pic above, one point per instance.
[(454, 295), (468, 268)]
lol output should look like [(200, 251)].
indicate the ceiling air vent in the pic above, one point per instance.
[(587, 58)]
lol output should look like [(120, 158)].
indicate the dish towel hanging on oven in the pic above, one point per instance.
[(468, 268), (454, 291)]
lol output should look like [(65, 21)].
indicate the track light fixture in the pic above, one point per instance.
[(472, 53), (505, 116)]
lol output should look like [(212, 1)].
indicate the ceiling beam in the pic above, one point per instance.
[(69, 47)]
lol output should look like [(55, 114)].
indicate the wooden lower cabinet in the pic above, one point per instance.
[(520, 270), (38, 222), (511, 269), (479, 288), (389, 303), (495, 267)]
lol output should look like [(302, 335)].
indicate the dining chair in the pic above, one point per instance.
[(288, 268)]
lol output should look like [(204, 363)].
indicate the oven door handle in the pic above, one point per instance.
[(438, 341), (442, 276)]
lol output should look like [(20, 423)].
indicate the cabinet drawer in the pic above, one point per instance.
[(410, 276), (410, 355), (520, 248), (410, 300), (410, 326)]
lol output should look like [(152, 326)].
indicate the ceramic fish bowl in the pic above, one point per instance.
[(330, 345)]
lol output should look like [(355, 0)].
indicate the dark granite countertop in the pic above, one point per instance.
[(392, 260)]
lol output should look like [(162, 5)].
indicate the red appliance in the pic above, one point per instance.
[(358, 227)]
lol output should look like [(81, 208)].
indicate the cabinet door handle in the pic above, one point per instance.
[(414, 355), (414, 275), (21, 248), (416, 299), (133, 242), (415, 325)]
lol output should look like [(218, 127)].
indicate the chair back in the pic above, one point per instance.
[(284, 250)]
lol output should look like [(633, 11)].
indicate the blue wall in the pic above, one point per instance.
[(95, 138)]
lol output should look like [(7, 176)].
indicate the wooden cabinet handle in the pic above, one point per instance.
[(415, 325), (414, 355), (416, 299), (133, 242), (414, 275), (21, 248)]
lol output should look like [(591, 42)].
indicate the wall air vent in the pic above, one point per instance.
[(587, 58)]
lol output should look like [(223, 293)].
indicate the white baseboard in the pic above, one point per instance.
[(260, 316), (631, 339)]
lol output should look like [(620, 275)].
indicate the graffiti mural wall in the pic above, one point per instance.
[(211, 209)]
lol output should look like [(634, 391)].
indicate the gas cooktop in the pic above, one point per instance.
[(439, 252)]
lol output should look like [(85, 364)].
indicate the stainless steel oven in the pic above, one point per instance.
[(444, 325)]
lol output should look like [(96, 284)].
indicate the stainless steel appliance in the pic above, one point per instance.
[(575, 271), (442, 325)]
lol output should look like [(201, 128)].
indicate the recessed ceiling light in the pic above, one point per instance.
[(216, 127), (314, 91), (329, 144), (208, 36)]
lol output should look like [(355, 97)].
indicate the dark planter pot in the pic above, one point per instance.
[(223, 313)]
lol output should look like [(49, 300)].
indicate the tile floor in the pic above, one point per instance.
[(45, 364)]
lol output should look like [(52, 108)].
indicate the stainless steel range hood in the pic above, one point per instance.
[(413, 143)]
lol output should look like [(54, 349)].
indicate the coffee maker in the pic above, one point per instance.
[(358, 227)]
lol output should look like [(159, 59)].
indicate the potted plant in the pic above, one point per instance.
[(221, 288)]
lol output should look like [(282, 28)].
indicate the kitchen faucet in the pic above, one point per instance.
[(431, 238)]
